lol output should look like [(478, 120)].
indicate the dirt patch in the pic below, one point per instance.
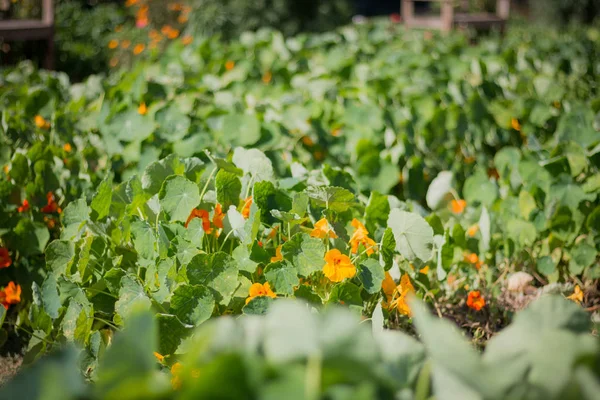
[(9, 366)]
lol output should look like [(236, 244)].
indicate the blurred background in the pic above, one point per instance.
[(84, 29)]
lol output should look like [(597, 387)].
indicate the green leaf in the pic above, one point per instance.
[(59, 255), (522, 232), (346, 293), (253, 162), (19, 169), (388, 248), (282, 276), (144, 240), (413, 235), (378, 210), (333, 198), (128, 363), (192, 304), (228, 187), (582, 256), (102, 199), (218, 271), (50, 298), (131, 297), (526, 204), (258, 306), (546, 266), (171, 332), (241, 254), (178, 196), (74, 216), (371, 274), (479, 189), (31, 237), (240, 129), (305, 253), (439, 189)]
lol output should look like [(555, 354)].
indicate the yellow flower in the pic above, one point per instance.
[(577, 295), (176, 379), (360, 236), (142, 109), (322, 229), (260, 290), (404, 290), (472, 231), (338, 266), (514, 123), (159, 357), (278, 255)]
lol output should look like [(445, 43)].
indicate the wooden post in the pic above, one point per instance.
[(503, 8), (447, 15), (408, 12), (47, 12)]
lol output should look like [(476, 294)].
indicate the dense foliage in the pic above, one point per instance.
[(364, 168)]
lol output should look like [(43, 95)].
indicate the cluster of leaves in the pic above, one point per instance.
[(295, 353), (361, 167)]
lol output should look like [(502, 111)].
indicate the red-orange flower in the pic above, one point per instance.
[(360, 236), (338, 266), (246, 208), (11, 294), (24, 207), (5, 260), (473, 259), (52, 205), (218, 216), (475, 300), (203, 214)]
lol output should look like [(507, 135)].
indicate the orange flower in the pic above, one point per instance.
[(24, 207), (360, 236), (165, 29), (153, 34), (118, 28), (138, 48), (319, 155), (472, 231), (50, 222), (473, 259), (322, 230), (338, 266), (389, 287), (52, 205), (5, 260), (11, 294), (246, 208), (266, 78), (187, 39), (182, 19), (159, 356), (113, 44), (514, 123), (307, 141), (203, 214), (41, 123), (173, 34), (67, 147), (336, 132), (577, 295), (229, 65), (403, 291), (130, 3), (475, 300), (218, 216), (125, 44), (458, 206), (260, 290), (142, 109), (113, 62), (278, 255), (424, 270), (175, 6), (273, 232)]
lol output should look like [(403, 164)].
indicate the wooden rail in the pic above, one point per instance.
[(449, 19), (33, 29)]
